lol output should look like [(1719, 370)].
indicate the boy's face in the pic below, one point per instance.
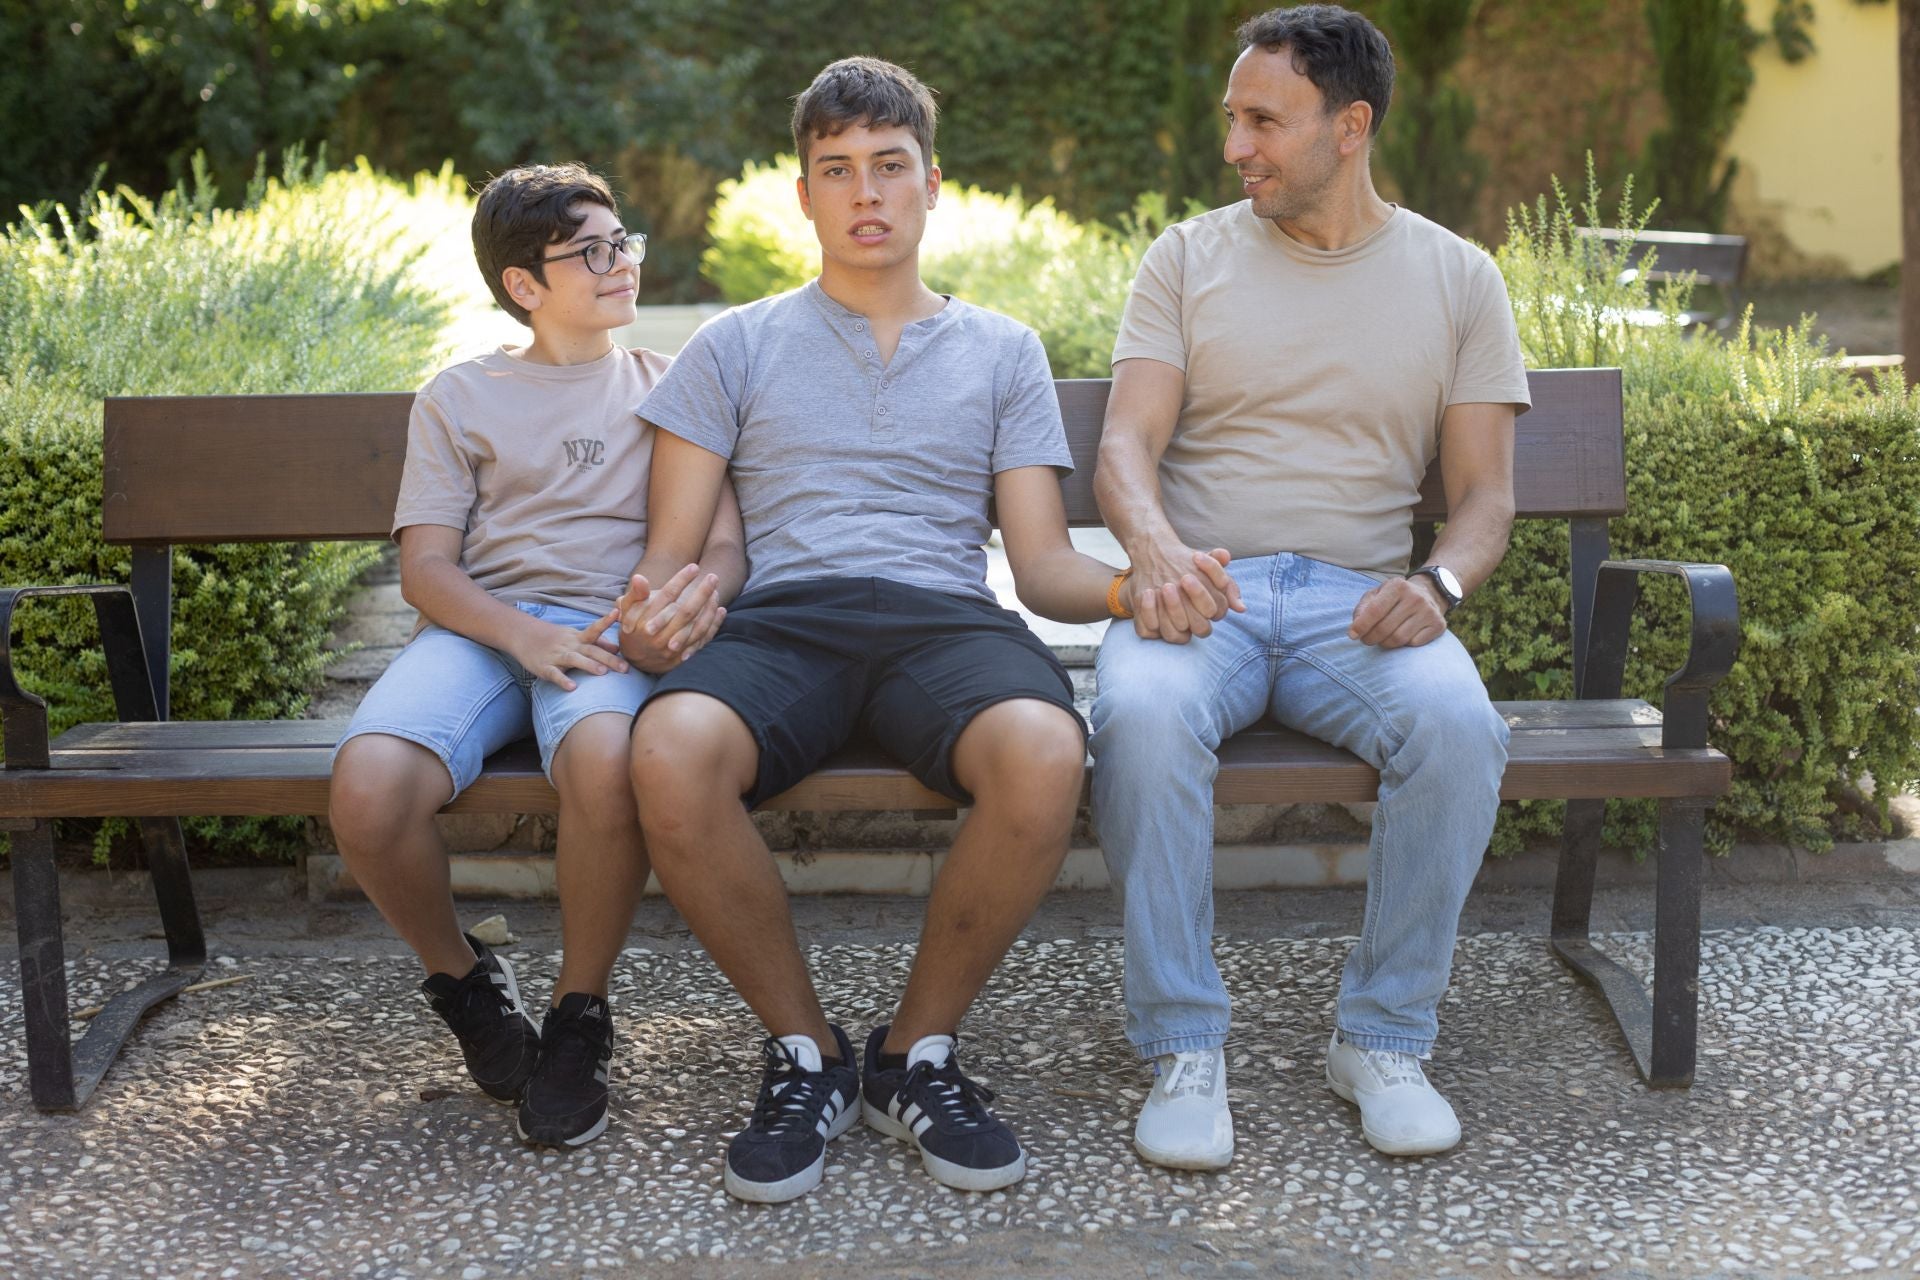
[(574, 298), (867, 192)]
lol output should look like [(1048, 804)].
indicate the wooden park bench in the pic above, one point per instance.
[(190, 470), (1716, 261)]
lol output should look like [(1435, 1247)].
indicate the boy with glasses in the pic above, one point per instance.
[(522, 513), (866, 421)]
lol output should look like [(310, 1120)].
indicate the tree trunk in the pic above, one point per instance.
[(1910, 187)]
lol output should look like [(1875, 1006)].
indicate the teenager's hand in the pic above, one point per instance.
[(661, 629), (550, 650)]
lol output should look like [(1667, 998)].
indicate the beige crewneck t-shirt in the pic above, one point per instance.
[(544, 468), (1315, 379)]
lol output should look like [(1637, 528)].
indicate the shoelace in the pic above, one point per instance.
[(1394, 1068), (1191, 1073), (790, 1095), (957, 1102), (478, 1000), (571, 1045)]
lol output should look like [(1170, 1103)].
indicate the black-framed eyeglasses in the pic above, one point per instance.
[(598, 254)]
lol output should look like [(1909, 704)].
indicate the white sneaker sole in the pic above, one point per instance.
[(794, 1185), (1196, 1160), (1405, 1147), (565, 1144), (945, 1172)]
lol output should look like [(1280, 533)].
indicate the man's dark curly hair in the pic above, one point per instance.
[(1343, 54)]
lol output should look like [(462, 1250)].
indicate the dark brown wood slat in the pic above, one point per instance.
[(1569, 449), (1262, 766), (244, 468), (253, 735), (209, 735), (230, 468), (1715, 259)]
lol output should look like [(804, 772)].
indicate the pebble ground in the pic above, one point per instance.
[(313, 1120)]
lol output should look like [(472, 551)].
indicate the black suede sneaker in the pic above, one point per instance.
[(496, 1036), (804, 1104), (566, 1102), (924, 1099)]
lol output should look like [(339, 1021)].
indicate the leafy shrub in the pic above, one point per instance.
[(320, 282), (1759, 453), (1068, 280)]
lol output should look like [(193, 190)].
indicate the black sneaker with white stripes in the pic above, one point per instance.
[(805, 1103), (496, 1036), (566, 1102), (921, 1097)]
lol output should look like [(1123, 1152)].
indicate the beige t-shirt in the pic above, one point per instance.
[(543, 467), (1315, 379)]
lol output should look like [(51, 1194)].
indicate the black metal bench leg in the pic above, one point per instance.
[(166, 848), (1660, 1031), (43, 968), (1676, 941), (62, 1074)]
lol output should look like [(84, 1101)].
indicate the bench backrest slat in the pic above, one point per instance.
[(1720, 260), (187, 469)]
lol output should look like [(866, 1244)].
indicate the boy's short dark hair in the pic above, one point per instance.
[(863, 91), (523, 211), (1343, 54)]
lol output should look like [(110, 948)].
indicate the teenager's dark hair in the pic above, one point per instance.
[(525, 210), (1343, 54), (863, 91)]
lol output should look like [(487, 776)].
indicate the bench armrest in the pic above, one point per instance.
[(25, 714), (1715, 617)]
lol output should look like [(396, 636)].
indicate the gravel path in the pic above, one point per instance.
[(313, 1121)]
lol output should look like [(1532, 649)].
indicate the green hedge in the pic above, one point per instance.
[(1067, 279), (318, 283), (1759, 453)]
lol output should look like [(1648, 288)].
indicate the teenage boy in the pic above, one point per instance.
[(867, 421), (522, 512)]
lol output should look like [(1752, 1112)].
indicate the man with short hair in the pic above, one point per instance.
[(866, 421), (1286, 370)]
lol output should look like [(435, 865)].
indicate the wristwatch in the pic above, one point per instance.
[(1443, 578)]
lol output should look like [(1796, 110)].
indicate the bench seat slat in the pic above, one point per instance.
[(1559, 750)]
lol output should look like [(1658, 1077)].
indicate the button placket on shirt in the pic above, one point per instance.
[(880, 420)]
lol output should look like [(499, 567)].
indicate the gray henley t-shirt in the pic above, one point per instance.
[(850, 468)]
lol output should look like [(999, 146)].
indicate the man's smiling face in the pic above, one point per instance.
[(1280, 136)]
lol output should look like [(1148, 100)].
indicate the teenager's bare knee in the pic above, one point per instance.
[(687, 749), (382, 787), (591, 770), (1025, 755)]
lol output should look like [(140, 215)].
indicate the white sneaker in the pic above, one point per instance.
[(1184, 1123), (1400, 1113)]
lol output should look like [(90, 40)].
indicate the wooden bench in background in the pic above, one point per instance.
[(301, 468), (1716, 261)]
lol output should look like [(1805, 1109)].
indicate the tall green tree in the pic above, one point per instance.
[(1702, 47), (1424, 140)]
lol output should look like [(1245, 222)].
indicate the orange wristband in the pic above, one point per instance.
[(1114, 607)]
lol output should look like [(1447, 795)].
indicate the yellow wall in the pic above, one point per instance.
[(1819, 146)]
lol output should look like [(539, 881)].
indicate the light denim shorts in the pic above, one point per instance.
[(463, 701)]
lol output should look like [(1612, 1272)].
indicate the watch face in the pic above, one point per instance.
[(1448, 583)]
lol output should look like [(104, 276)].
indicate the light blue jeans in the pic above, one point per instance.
[(1419, 715)]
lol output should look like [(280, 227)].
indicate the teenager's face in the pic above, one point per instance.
[(867, 192), (1287, 148), (574, 298)]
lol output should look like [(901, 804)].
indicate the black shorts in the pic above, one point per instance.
[(809, 664)]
